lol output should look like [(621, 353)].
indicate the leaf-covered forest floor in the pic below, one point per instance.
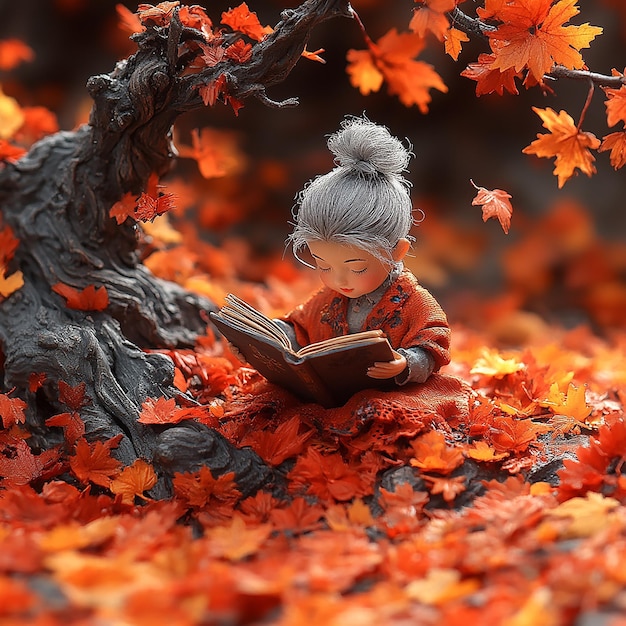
[(515, 515)]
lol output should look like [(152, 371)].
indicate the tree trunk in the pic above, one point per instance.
[(57, 201)]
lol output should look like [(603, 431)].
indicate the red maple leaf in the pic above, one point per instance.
[(71, 423), (9, 152), (162, 411), (12, 410), (72, 397), (198, 489), (91, 298), (124, 208), (496, 204), (22, 466), (245, 21), (149, 207), (13, 52), (92, 462)]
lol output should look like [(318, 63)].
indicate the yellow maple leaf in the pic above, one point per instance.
[(586, 516), (490, 363), (572, 403), (570, 145), (441, 585), (11, 116), (481, 451), (534, 36)]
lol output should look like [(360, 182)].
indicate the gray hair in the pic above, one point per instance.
[(364, 201)]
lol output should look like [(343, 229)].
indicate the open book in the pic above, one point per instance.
[(327, 372)]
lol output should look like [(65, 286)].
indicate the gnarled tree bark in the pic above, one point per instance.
[(57, 201)]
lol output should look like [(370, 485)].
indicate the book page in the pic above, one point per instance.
[(245, 315), (354, 339)]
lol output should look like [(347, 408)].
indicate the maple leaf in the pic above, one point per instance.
[(391, 59), (573, 404), (491, 363), (12, 410), (198, 489), (448, 487), (433, 454), (342, 517), (23, 466), (72, 424), (133, 480), (161, 14), (615, 103), (440, 586), (36, 381), (299, 516), (73, 397), (13, 52), (91, 298), (496, 204), (616, 143), (488, 79), (10, 284), (216, 152), (240, 51), (430, 17), (586, 516), (514, 435), (284, 442), (245, 21), (158, 411), (149, 207), (11, 116), (533, 36), (454, 40), (92, 462), (9, 152), (482, 451), (566, 142), (235, 541), (123, 208)]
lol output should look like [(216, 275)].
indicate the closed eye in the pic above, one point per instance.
[(360, 271)]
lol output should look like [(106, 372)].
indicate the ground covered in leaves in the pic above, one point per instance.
[(515, 515)]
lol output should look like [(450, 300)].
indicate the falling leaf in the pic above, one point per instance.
[(13, 52), (91, 298), (496, 204), (216, 151), (148, 207), (133, 481), (431, 17), (392, 59), (92, 462), (534, 36), (566, 142), (245, 21)]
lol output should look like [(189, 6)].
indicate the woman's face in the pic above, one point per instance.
[(348, 270)]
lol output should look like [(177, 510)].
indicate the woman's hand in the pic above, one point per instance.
[(389, 369)]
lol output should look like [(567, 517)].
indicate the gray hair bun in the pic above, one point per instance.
[(368, 149)]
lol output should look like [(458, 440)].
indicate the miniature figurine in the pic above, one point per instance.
[(355, 222)]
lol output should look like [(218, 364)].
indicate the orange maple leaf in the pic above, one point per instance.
[(12, 410), (10, 284), (197, 489), (615, 103), (284, 442), (216, 151), (496, 204), (431, 17), (299, 516), (235, 541), (616, 143), (482, 451), (514, 435), (454, 40), (448, 487), (433, 454), (133, 480), (573, 403), (92, 462), (161, 14), (534, 37), (245, 21), (13, 52), (91, 298), (566, 142), (392, 59)]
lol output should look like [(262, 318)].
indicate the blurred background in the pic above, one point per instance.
[(563, 259)]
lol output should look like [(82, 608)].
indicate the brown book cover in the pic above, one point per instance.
[(328, 372)]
